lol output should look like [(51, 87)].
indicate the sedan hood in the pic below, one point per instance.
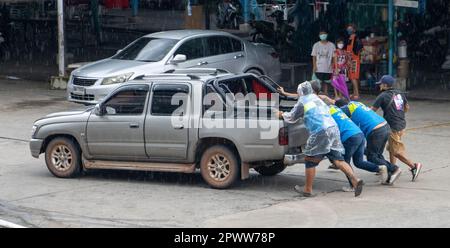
[(109, 67)]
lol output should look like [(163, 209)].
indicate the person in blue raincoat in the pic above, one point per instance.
[(324, 139)]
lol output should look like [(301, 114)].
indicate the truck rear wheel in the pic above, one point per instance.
[(219, 167), (63, 158), (274, 169)]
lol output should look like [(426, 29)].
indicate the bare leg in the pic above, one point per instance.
[(355, 83), (336, 94), (325, 88), (392, 158), (347, 169), (405, 160), (310, 174)]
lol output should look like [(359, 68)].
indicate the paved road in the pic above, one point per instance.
[(32, 197)]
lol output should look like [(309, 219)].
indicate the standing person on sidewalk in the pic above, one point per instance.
[(342, 63), (324, 139), (354, 47), (322, 59), (376, 130), (394, 105)]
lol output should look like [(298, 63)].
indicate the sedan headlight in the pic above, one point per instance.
[(117, 79), (33, 130)]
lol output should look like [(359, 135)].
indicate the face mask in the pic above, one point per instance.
[(340, 45), (323, 37), (350, 31)]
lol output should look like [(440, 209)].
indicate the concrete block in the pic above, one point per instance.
[(401, 84), (245, 27), (58, 83)]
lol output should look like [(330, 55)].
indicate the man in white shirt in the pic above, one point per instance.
[(322, 54)]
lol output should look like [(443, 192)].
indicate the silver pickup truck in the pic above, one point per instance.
[(178, 121)]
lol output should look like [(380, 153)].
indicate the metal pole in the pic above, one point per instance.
[(135, 6), (391, 36), (61, 59), (246, 13)]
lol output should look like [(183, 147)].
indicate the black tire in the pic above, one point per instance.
[(63, 158), (272, 170), (216, 174)]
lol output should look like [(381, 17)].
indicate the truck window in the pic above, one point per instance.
[(169, 100), (212, 100), (129, 100)]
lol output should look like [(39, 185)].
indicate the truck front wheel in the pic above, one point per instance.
[(219, 167), (271, 170), (63, 158)]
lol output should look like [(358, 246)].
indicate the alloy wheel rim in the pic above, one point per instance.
[(219, 167), (62, 158)]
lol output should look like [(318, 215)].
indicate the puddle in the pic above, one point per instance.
[(37, 103)]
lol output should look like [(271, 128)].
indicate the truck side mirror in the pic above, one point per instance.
[(98, 110)]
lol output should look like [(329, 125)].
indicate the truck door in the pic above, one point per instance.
[(119, 131), (167, 121)]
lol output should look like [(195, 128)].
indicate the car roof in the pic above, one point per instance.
[(185, 33)]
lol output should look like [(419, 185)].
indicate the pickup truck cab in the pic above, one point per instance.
[(179, 121)]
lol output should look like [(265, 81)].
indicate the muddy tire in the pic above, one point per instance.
[(272, 170), (219, 167), (63, 158)]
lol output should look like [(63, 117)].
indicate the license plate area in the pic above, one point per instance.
[(79, 90)]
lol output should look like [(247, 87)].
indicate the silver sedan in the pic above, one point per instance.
[(163, 51)]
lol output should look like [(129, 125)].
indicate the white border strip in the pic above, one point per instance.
[(7, 224)]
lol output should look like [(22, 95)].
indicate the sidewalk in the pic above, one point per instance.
[(429, 94)]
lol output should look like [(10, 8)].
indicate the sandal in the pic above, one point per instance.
[(302, 193), (333, 167), (359, 187), (354, 98)]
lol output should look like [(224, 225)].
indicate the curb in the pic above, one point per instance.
[(7, 224)]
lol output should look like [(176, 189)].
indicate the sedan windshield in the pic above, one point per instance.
[(146, 49)]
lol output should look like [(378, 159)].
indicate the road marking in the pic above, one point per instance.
[(429, 126), (8, 138), (4, 223)]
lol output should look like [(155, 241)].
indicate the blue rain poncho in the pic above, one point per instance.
[(323, 130)]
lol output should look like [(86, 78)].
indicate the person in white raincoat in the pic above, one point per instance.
[(324, 139)]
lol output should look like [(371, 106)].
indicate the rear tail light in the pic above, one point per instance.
[(274, 55), (283, 137)]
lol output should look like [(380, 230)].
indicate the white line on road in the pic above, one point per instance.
[(4, 223)]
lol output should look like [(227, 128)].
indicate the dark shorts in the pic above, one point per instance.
[(324, 77), (314, 161)]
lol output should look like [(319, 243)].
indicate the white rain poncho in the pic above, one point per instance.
[(323, 130)]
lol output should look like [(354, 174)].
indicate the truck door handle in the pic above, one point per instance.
[(134, 125), (239, 56), (203, 63), (178, 126)]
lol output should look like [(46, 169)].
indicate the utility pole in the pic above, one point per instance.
[(61, 57), (391, 36)]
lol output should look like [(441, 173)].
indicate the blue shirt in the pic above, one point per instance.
[(346, 126), (364, 117)]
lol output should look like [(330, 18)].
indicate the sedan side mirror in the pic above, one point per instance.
[(178, 59), (98, 110)]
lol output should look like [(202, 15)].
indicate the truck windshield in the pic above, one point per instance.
[(146, 49)]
